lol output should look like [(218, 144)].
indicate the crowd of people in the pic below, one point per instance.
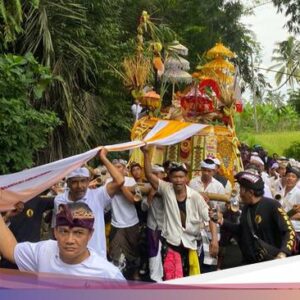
[(153, 222)]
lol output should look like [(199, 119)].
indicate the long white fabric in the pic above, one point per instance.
[(24, 185), (275, 271)]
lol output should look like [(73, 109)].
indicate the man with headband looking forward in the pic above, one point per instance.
[(68, 255), (96, 199)]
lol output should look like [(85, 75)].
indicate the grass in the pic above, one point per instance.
[(272, 141)]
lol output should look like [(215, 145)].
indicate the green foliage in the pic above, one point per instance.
[(274, 142), (293, 151), (79, 40), (23, 130), (83, 41), (277, 99), (270, 118), (199, 25), (113, 120), (11, 17), (56, 33), (286, 56), (294, 99), (291, 9)]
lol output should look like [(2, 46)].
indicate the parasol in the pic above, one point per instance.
[(175, 76), (217, 75), (219, 50), (177, 63), (178, 48), (176, 67), (217, 64)]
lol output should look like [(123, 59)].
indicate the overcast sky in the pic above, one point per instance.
[(268, 25)]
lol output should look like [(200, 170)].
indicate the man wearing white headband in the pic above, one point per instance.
[(274, 176), (203, 184), (206, 183), (225, 182), (256, 160), (96, 199)]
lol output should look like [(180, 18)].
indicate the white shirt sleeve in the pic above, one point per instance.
[(221, 189), (203, 208), (144, 204), (26, 256), (129, 181), (162, 187), (103, 196), (267, 192), (194, 184)]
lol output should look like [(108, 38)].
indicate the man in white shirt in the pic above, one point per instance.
[(204, 184), (96, 199), (256, 160), (124, 235), (255, 169), (280, 182), (291, 197), (185, 212), (274, 176), (68, 255)]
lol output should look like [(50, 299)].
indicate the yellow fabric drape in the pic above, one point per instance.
[(170, 128), (193, 263)]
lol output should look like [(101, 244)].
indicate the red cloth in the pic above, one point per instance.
[(172, 265)]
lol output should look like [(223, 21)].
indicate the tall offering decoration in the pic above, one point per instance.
[(209, 96)]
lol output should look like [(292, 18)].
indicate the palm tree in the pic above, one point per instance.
[(286, 55), (79, 41), (55, 33), (11, 17)]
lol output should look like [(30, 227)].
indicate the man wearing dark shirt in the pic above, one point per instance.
[(26, 226), (263, 225)]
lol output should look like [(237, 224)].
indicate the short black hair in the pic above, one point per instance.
[(176, 167), (133, 165), (166, 165), (73, 206)]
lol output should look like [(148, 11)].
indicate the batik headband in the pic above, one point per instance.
[(77, 218)]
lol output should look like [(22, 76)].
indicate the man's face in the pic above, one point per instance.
[(78, 187), (136, 172), (260, 167), (179, 180), (246, 195), (281, 171), (121, 168), (160, 175), (272, 172), (291, 180), (206, 174), (72, 243)]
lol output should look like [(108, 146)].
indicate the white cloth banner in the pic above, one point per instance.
[(273, 271), (24, 185)]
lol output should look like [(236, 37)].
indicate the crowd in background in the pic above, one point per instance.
[(154, 223)]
